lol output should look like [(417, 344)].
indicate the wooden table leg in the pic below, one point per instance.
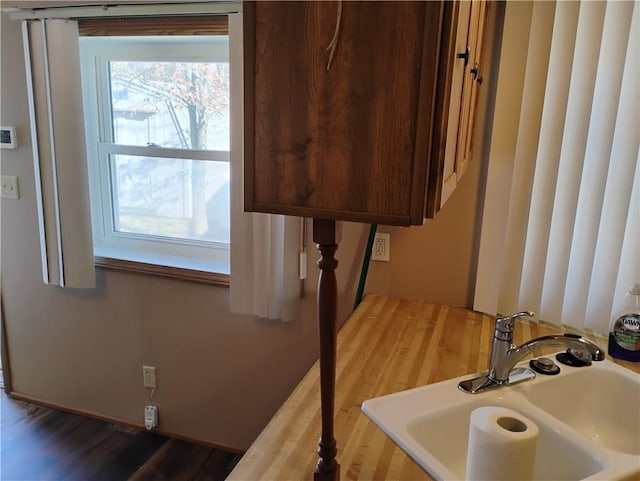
[(326, 236)]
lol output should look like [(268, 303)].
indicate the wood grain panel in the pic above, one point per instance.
[(387, 345), (337, 143), (137, 26), (441, 110), (436, 26)]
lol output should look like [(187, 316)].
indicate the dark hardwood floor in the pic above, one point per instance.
[(37, 444)]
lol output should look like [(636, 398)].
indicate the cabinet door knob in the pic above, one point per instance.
[(474, 72), (465, 56)]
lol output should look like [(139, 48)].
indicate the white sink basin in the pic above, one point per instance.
[(603, 404), (588, 418)]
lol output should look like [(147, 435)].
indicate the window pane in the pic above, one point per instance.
[(181, 105), (177, 198)]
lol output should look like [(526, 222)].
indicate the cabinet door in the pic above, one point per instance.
[(350, 140), (466, 81), (472, 85)]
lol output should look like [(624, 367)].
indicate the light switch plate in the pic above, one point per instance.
[(8, 138), (10, 187)]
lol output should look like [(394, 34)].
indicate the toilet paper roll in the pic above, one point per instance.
[(502, 445)]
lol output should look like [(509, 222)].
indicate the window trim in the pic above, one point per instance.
[(95, 55), (178, 273), (160, 8)]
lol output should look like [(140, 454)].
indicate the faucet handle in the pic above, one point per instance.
[(504, 325)]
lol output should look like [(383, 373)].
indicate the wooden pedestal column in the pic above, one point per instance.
[(326, 236)]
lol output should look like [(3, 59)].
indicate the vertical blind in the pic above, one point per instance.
[(57, 133), (568, 235)]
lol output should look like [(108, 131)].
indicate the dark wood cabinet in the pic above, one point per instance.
[(349, 110), (356, 136)]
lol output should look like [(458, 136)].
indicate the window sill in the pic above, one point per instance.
[(178, 273)]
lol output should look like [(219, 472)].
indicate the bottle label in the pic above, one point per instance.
[(626, 332)]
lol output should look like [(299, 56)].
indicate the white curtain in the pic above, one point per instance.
[(264, 266), (57, 134), (264, 247), (561, 223)]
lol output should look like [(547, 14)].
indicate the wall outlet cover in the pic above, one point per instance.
[(149, 379), (381, 247)]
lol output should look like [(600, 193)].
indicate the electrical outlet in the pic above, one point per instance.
[(10, 187), (149, 373), (381, 245)]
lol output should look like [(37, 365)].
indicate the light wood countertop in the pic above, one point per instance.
[(387, 345)]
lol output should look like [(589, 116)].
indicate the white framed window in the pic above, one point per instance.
[(157, 121)]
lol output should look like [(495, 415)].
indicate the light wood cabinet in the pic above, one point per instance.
[(357, 136), (466, 79)]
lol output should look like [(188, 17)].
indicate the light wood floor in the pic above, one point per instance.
[(39, 444)]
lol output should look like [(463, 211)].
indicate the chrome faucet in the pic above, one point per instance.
[(505, 355)]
